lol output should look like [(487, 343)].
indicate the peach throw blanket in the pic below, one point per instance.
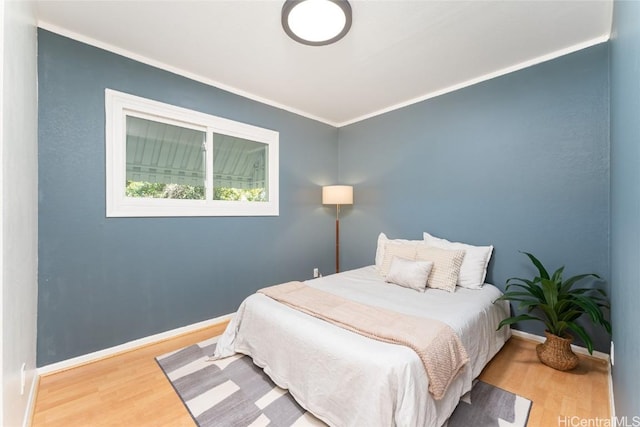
[(436, 343)]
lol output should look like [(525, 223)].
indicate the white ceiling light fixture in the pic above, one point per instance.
[(316, 22)]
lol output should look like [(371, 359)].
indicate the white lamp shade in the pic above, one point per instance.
[(337, 195)]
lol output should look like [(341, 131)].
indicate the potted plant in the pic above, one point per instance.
[(557, 304)]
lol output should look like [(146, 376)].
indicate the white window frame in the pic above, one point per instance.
[(119, 105)]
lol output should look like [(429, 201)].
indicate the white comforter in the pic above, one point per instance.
[(346, 379)]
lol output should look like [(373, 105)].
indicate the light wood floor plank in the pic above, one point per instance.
[(582, 392), (130, 389), (127, 389)]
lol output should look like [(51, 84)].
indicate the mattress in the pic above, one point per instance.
[(346, 379)]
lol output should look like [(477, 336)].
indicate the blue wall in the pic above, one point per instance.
[(625, 205), (520, 162), (103, 282)]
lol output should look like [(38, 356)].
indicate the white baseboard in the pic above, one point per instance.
[(612, 401), (131, 345), (576, 348), (31, 401)]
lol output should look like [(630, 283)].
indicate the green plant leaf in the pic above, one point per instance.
[(557, 275), (514, 319), (528, 305), (538, 264), (569, 315), (582, 334), (550, 293), (516, 296), (598, 298), (533, 288), (549, 313), (572, 280), (591, 308), (525, 282), (558, 328), (508, 295)]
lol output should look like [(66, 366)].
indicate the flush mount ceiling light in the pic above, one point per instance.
[(316, 22)]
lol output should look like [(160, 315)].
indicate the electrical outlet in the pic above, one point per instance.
[(611, 355), (23, 377), (316, 273)]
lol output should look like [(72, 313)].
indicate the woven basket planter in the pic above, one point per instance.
[(556, 352)]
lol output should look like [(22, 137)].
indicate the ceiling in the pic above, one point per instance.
[(398, 52)]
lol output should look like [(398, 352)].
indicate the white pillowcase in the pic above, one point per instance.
[(382, 244), (446, 266), (409, 274), (474, 265)]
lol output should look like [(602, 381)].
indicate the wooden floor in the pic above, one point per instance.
[(131, 390), (582, 392)]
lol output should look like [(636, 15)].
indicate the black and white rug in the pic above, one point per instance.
[(234, 392)]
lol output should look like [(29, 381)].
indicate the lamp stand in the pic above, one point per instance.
[(337, 238), (337, 195)]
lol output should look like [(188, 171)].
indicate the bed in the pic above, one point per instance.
[(346, 379)]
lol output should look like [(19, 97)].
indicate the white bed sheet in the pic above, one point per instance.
[(346, 379)]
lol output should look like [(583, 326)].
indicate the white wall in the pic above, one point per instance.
[(19, 195), (1, 198)]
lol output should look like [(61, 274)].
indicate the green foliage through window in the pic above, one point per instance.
[(248, 194), (159, 190)]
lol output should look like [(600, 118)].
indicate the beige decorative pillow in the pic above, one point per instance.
[(409, 274), (446, 266), (396, 250), (383, 241), (473, 270)]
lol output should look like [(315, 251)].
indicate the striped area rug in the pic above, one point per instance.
[(233, 392)]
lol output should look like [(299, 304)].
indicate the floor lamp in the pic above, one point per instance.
[(337, 195)]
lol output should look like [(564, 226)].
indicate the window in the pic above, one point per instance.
[(169, 161)]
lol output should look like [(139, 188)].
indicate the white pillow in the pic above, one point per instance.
[(382, 243), (446, 266), (396, 250), (474, 265), (409, 274)]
